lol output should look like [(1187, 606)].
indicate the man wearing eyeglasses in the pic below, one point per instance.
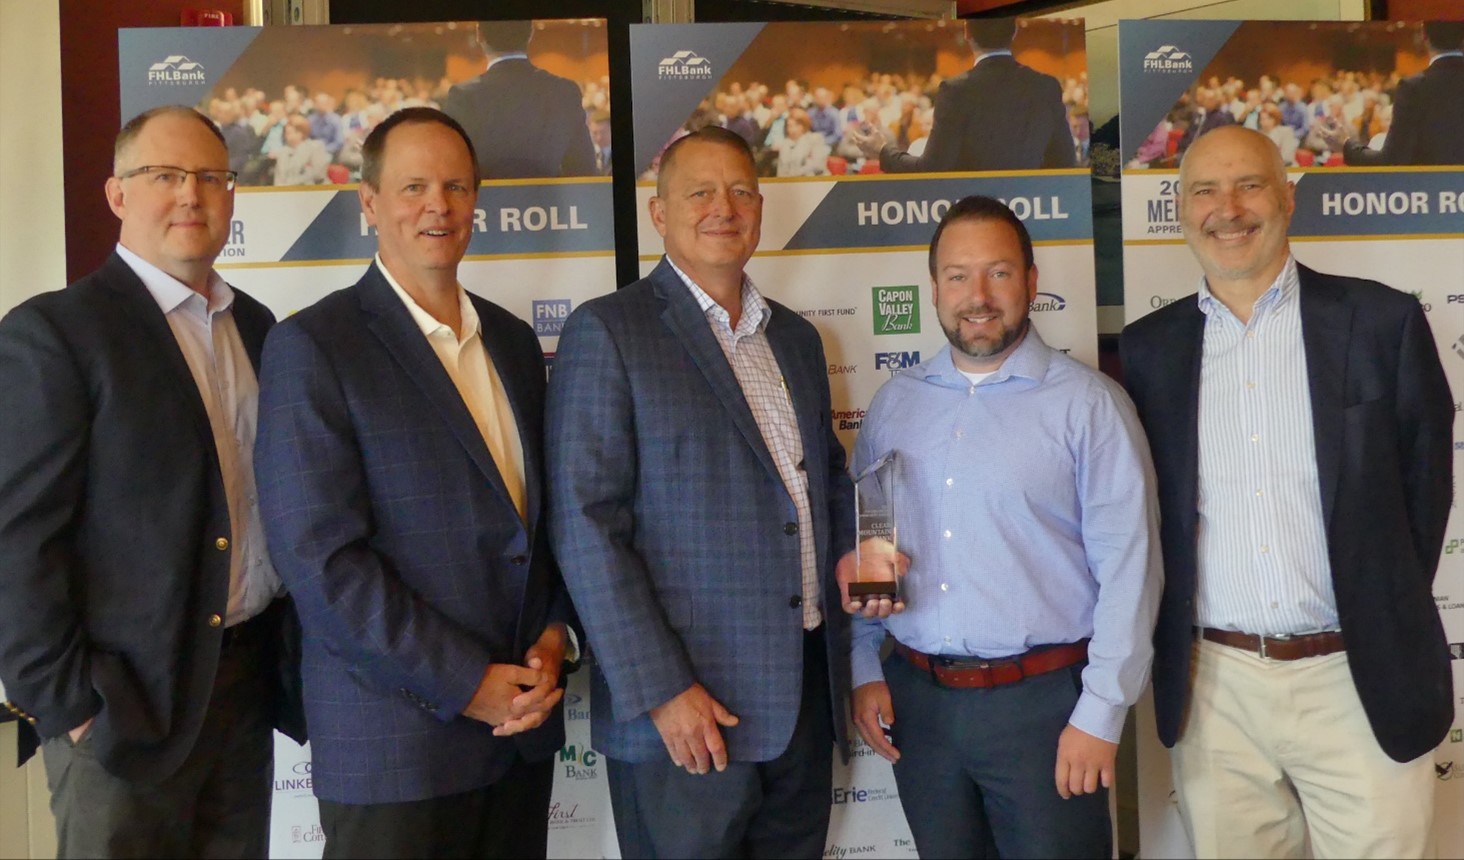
[(143, 634)]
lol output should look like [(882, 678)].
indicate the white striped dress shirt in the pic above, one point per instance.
[(1262, 543), (756, 368)]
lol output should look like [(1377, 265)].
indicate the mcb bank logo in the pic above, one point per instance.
[(896, 310), (685, 66), (549, 316), (175, 69), (1169, 59), (1048, 302)]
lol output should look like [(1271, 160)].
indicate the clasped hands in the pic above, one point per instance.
[(513, 698)]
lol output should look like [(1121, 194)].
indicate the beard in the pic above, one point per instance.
[(983, 346)]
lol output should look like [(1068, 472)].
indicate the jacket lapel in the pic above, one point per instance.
[(687, 322), (521, 401), (393, 326), (1187, 340), (1325, 326)]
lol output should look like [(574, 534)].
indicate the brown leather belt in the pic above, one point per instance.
[(974, 672), (1279, 647)]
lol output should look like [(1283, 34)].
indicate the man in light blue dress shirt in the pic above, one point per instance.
[(1028, 515)]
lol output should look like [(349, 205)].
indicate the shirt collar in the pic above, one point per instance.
[(1004, 52), (171, 293), (1287, 282), (1029, 361), (755, 309), (429, 324), (513, 55), (1437, 57)]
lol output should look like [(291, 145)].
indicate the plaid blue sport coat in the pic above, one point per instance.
[(671, 523), (408, 562)]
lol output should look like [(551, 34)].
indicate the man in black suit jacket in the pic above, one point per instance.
[(999, 115), (140, 619), (525, 123), (1301, 427), (1428, 109)]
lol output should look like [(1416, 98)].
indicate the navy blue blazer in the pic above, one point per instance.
[(677, 536), (1383, 421), (388, 519)]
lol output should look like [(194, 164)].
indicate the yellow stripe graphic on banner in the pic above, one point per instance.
[(889, 177), (486, 183), (470, 258), (1381, 237), (1409, 168), (874, 249)]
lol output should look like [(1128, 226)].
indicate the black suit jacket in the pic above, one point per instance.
[(1428, 120), (111, 509), (525, 123), (1383, 421), (998, 115)]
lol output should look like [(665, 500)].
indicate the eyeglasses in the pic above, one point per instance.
[(170, 178)]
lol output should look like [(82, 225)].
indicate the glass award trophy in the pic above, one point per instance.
[(877, 550)]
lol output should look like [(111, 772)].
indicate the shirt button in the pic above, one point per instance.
[(222, 543), (948, 640), (215, 620), (795, 601), (1260, 493), (1250, 385), (948, 534), (960, 433), (1251, 335), (1275, 605), (945, 586), (1265, 549), (790, 528), (950, 482), (1255, 437)]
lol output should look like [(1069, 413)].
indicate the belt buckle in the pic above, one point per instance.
[(961, 665), (1265, 654)]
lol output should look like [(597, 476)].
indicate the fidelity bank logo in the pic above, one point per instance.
[(549, 316), (1048, 302), (175, 70), (685, 66), (896, 310), (1168, 59)]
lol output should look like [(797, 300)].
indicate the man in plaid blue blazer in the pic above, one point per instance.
[(698, 503), (399, 474)]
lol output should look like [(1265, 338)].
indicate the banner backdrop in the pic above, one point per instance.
[(844, 244), (294, 104), (1401, 224)]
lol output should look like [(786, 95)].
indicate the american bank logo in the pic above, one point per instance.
[(549, 316), (1048, 302), (175, 70), (1168, 59), (684, 66)]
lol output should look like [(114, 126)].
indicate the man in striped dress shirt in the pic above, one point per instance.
[(1301, 427)]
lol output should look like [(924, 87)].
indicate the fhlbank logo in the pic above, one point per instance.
[(893, 361), (685, 66), (1048, 302), (175, 70), (549, 316), (1168, 59)]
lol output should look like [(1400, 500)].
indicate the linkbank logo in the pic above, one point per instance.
[(174, 70), (686, 66), (1169, 59)]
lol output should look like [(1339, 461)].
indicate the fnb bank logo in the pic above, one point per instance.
[(1169, 59), (175, 69), (1048, 302), (893, 361), (549, 316), (896, 310), (685, 65)]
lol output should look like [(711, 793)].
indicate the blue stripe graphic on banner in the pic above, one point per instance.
[(516, 219), (903, 212), (1385, 203)]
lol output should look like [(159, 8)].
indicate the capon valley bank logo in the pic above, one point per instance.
[(1168, 59), (175, 70), (685, 66)]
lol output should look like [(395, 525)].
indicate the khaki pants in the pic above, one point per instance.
[(1274, 754)]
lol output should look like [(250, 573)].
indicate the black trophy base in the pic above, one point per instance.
[(884, 588)]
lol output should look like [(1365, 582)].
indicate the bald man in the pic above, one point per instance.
[(1301, 427)]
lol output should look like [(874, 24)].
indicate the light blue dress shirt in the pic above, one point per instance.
[(1026, 504)]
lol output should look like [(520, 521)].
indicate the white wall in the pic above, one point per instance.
[(32, 260)]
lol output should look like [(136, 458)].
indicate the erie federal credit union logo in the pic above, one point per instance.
[(1169, 59), (684, 66), (175, 69), (549, 316), (896, 310)]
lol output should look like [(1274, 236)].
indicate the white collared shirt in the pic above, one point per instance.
[(1261, 543), (210, 343), (471, 370)]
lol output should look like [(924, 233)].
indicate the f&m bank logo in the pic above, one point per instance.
[(685, 66), (549, 316), (893, 361), (896, 310), (175, 69), (1168, 59), (1048, 302)]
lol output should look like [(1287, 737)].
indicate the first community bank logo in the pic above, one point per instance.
[(175, 69), (1170, 59), (685, 66)]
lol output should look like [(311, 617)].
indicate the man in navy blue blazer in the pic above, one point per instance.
[(698, 503), (399, 472)]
